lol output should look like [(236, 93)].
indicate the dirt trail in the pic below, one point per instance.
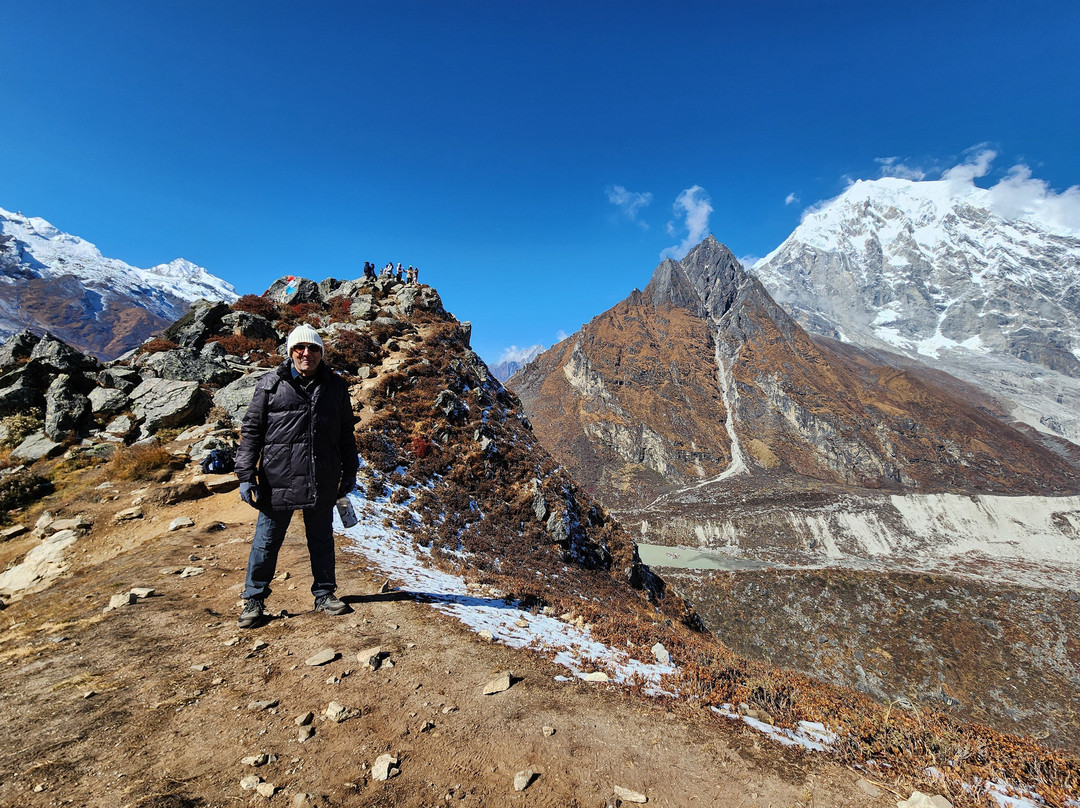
[(114, 709)]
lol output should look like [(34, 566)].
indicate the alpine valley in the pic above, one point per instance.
[(856, 459), (56, 282)]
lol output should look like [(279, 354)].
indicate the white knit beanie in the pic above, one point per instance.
[(304, 334)]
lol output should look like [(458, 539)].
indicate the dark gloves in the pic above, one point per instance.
[(347, 484), (249, 492)]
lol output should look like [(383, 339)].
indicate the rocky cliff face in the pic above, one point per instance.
[(703, 377), (52, 281), (936, 272)]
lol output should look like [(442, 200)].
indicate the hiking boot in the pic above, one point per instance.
[(253, 613), (331, 605)]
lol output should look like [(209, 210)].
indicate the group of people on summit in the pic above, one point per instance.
[(409, 275)]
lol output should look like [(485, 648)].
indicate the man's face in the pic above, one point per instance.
[(306, 358)]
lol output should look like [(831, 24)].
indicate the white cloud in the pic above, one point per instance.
[(629, 203), (749, 260), (964, 175), (694, 203), (791, 199), (892, 167), (560, 335), (516, 354), (1019, 195)]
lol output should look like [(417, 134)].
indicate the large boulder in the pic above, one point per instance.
[(107, 400), (412, 297), (17, 347), (66, 409), (201, 321), (234, 398), (122, 378), (293, 290), (363, 308), (23, 389), (59, 357), (345, 288), (186, 365), (246, 324), (162, 403), (34, 447)]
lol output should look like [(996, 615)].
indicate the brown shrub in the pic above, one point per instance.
[(340, 309), (143, 461), (157, 345), (239, 345), (21, 488), (257, 304)]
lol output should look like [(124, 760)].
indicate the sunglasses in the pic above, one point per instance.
[(308, 348)]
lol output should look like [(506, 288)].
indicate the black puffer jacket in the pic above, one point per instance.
[(297, 447)]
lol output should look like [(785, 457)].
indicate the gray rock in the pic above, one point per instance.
[(246, 324), (12, 531), (188, 365), (119, 601), (59, 357), (523, 779), (626, 795), (324, 656), (181, 521), (304, 719), (22, 390), (499, 684), (160, 403), (265, 789), (410, 298), (201, 320), (17, 347), (385, 767), (250, 782), (660, 654), (257, 706), (128, 514), (107, 400), (338, 712), (121, 426), (66, 410), (363, 308), (119, 377), (540, 506), (235, 397), (294, 290), (34, 447), (548, 731), (305, 733)]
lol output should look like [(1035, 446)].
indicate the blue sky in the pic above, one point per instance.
[(529, 157)]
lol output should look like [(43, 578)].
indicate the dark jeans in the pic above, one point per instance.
[(270, 533)]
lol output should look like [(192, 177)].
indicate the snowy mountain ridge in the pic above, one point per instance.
[(46, 251), (978, 282), (58, 282)]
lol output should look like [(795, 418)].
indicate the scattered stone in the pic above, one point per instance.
[(597, 676), (338, 712), (661, 655), (487, 635), (385, 767), (63, 536), (304, 719), (191, 572), (757, 715), (305, 734), (89, 694), (627, 795), (521, 623), (427, 726), (217, 483), (920, 800), (385, 587), (262, 705), (34, 447), (323, 657), (867, 787), (143, 592), (449, 708), (119, 601), (499, 684), (217, 680), (181, 521), (200, 666), (266, 789), (75, 523), (548, 731), (12, 532), (370, 657), (250, 782), (128, 514), (523, 779), (258, 760), (258, 645)]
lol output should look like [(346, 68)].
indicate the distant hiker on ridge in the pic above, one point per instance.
[(297, 453)]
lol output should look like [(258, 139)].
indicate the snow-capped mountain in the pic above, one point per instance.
[(54, 281), (514, 360), (945, 272)]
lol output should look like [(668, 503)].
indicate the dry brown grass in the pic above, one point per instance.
[(143, 461)]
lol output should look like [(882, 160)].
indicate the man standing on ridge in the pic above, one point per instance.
[(297, 452)]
